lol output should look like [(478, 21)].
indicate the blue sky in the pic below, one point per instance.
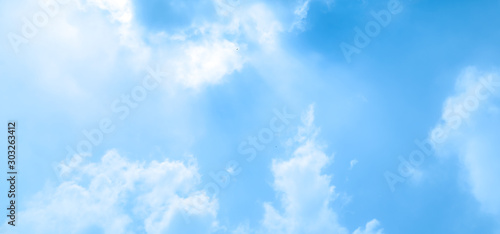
[(246, 116)]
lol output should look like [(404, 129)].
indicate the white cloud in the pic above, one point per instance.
[(473, 89), (226, 7), (254, 22), (243, 229), (203, 54), (371, 227), (56, 52), (196, 55), (260, 24), (120, 10), (200, 54), (119, 196), (300, 14), (305, 192), (353, 163), (88, 32), (480, 157), (472, 134), (205, 62)]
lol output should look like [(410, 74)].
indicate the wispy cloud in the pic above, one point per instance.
[(471, 128)]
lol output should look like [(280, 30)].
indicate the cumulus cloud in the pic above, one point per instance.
[(204, 53), (201, 53), (470, 130), (116, 195), (205, 62), (198, 54), (305, 192), (87, 32)]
